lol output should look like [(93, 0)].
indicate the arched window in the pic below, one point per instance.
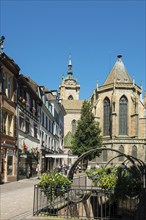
[(70, 97), (73, 126), (121, 148), (134, 151), (104, 155), (106, 117), (123, 116)]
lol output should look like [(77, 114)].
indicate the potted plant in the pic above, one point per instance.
[(54, 184)]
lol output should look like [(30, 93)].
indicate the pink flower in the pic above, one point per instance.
[(33, 109), (27, 104), (20, 98)]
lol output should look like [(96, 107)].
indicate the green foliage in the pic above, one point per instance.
[(87, 135), (104, 178), (54, 184), (121, 182)]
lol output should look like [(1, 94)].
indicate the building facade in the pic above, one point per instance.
[(51, 129), (121, 113), (31, 124), (28, 127), (9, 72)]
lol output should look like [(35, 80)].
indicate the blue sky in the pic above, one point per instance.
[(41, 34)]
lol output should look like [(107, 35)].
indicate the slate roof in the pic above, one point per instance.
[(118, 74)]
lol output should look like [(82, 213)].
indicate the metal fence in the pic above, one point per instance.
[(88, 203)]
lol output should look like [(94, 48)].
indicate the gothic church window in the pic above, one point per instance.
[(73, 126), (121, 149), (70, 97), (134, 151), (123, 116), (106, 106)]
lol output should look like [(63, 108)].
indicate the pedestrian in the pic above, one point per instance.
[(124, 166), (38, 170), (97, 166)]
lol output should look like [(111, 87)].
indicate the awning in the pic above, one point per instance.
[(61, 156)]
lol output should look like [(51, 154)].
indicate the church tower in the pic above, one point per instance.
[(69, 94), (69, 88)]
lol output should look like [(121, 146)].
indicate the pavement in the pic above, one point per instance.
[(16, 199)]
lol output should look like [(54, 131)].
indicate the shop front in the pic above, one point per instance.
[(46, 163), (27, 165), (8, 162)]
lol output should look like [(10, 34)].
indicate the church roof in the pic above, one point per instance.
[(68, 139), (72, 104), (118, 74)]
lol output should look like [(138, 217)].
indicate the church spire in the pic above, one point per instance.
[(69, 66)]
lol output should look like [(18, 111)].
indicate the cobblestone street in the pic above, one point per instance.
[(16, 199)]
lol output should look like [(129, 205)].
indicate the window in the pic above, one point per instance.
[(73, 126), (35, 130), (9, 125), (4, 118), (46, 122), (121, 148), (42, 138), (49, 142), (9, 88), (123, 116), (4, 83), (70, 97), (134, 151), (46, 140), (27, 124), (43, 121), (21, 122), (106, 116), (7, 85), (10, 162)]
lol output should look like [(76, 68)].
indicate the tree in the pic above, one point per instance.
[(87, 135)]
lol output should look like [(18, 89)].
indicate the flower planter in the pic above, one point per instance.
[(54, 185)]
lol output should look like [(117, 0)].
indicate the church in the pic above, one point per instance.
[(117, 106)]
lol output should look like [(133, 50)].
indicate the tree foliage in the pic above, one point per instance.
[(87, 135)]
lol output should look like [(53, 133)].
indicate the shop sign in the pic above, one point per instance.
[(23, 155)]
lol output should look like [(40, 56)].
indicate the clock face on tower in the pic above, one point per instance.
[(71, 82)]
